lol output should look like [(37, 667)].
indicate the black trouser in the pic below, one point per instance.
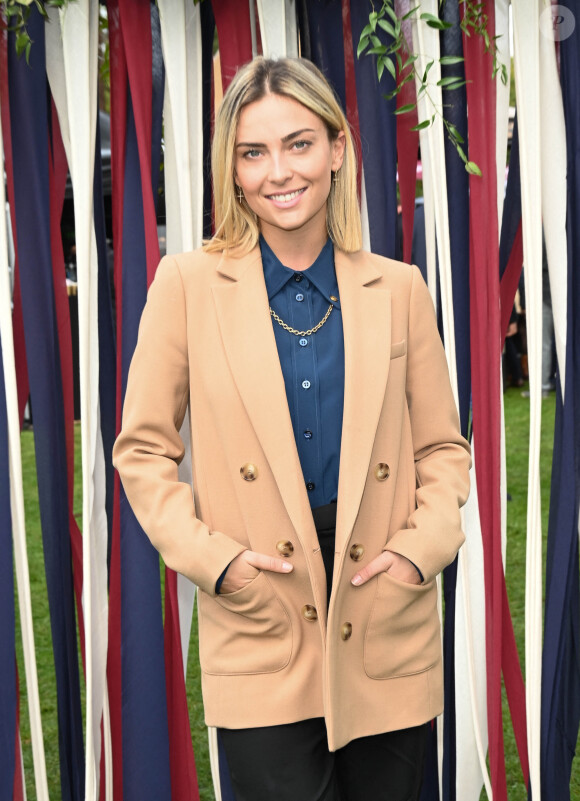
[(292, 763), (325, 522)]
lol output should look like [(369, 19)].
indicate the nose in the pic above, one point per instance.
[(280, 170)]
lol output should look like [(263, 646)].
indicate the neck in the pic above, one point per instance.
[(297, 249)]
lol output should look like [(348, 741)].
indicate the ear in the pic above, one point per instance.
[(338, 146)]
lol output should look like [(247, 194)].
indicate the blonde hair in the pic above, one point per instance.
[(236, 225)]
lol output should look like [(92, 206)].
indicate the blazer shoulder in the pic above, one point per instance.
[(395, 275), (393, 269)]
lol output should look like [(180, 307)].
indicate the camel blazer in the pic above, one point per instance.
[(270, 653)]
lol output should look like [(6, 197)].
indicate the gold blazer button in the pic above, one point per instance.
[(249, 471), (285, 548), (309, 612), (356, 552), (346, 631), (382, 471)]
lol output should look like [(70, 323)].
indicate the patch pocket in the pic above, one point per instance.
[(398, 349), (247, 631), (403, 634)]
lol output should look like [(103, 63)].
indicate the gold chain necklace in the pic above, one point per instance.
[(310, 331)]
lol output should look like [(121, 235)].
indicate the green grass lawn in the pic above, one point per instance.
[(517, 428)]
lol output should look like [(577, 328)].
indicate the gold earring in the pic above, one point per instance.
[(239, 193), (335, 177)]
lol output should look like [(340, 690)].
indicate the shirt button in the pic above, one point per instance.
[(298, 277), (306, 385), (299, 297), (308, 434), (310, 486), (303, 342)]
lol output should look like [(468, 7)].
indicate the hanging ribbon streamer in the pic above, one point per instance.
[(560, 669), (182, 49), (17, 527), (29, 122), (232, 18), (137, 673), (527, 71), (486, 354), (378, 142), (407, 140), (464, 732), (17, 321), (9, 734), (278, 28), (77, 78)]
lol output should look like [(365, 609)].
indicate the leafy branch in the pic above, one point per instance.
[(401, 62), (15, 16)]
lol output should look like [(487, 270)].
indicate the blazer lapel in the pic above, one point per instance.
[(366, 316), (248, 337)]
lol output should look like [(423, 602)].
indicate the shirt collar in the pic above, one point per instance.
[(321, 273)]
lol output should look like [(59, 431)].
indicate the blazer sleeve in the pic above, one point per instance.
[(433, 533), (149, 448)]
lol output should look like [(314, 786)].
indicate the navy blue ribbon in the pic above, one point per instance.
[(8, 693), (30, 123), (561, 654)]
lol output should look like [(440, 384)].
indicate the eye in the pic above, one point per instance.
[(252, 153), (301, 144)]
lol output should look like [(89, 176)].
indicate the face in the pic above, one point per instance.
[(283, 163)]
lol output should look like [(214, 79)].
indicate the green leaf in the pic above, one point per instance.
[(454, 132), (362, 45), (450, 79), (410, 13), (421, 126), (434, 22), (427, 68), (378, 51), (451, 59), (461, 153), (376, 41), (366, 31), (439, 25), (22, 41), (405, 109), (391, 95), (386, 26), (380, 67), (391, 67), (473, 169), (392, 13)]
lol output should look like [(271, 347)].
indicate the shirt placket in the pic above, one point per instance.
[(305, 382)]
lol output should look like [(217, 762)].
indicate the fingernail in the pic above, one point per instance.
[(357, 580), (286, 566)]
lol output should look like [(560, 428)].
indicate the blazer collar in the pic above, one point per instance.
[(248, 336)]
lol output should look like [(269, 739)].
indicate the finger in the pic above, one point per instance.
[(263, 562), (378, 565)]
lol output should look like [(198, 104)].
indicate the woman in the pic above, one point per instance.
[(328, 468)]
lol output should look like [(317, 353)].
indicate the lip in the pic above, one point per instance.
[(286, 200)]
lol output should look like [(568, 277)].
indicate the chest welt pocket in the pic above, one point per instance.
[(403, 633), (243, 632)]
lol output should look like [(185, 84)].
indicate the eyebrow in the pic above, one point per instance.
[(285, 139)]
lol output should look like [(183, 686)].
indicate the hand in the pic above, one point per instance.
[(388, 562), (246, 566)]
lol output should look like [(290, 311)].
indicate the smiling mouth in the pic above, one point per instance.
[(286, 197)]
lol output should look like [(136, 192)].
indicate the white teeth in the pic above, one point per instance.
[(289, 196)]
